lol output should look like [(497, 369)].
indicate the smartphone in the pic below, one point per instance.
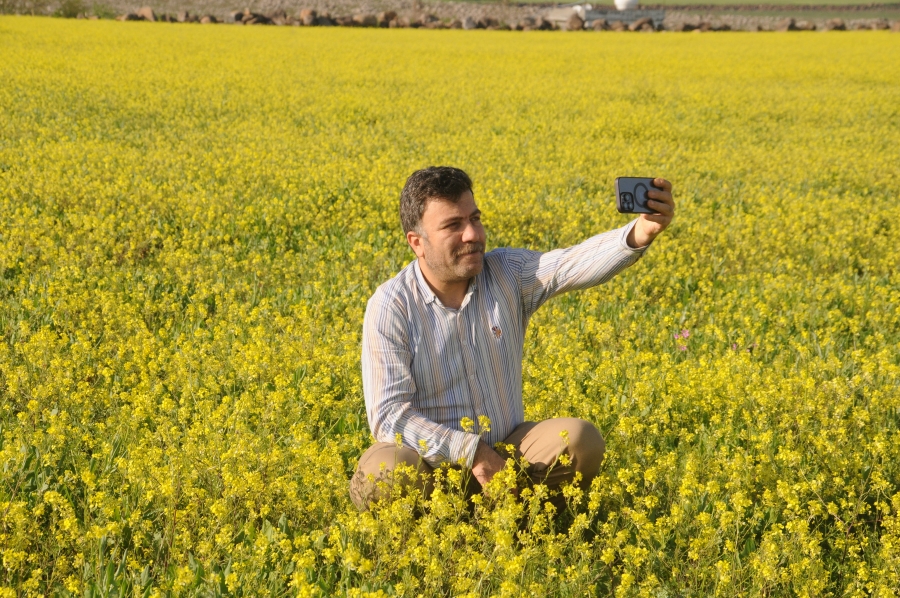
[(631, 195)]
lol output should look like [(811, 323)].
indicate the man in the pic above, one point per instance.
[(442, 341)]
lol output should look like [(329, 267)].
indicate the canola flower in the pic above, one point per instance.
[(191, 221)]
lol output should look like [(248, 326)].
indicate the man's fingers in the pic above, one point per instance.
[(663, 208), (661, 201), (664, 196)]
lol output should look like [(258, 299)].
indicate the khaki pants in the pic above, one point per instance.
[(539, 443)]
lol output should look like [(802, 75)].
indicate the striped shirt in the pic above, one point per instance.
[(426, 367)]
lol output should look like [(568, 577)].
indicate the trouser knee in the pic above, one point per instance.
[(384, 468), (560, 449), (586, 449)]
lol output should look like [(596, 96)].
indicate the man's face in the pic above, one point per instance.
[(450, 239)]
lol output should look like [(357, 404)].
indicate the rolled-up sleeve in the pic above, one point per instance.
[(389, 389), (592, 262)]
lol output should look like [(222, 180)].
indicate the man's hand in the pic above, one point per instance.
[(486, 463), (650, 225)]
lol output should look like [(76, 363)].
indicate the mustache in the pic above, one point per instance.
[(469, 248)]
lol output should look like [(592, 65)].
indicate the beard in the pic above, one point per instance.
[(460, 266)]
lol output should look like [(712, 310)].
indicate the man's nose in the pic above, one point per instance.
[(473, 233)]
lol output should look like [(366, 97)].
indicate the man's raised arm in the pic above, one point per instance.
[(389, 388), (594, 261)]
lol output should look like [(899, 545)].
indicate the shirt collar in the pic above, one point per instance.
[(428, 294)]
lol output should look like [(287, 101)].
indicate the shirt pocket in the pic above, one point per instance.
[(498, 341)]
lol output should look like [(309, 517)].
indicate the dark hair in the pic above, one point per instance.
[(434, 182)]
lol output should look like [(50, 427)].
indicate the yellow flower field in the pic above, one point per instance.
[(192, 219)]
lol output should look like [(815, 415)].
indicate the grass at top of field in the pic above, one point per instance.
[(193, 219)]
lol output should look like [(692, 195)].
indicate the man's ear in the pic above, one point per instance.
[(416, 243)]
